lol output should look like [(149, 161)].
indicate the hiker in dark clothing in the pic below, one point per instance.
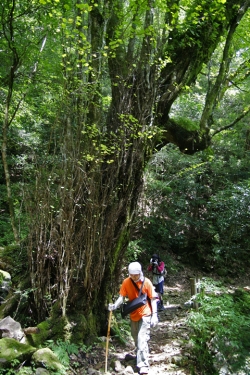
[(157, 267)]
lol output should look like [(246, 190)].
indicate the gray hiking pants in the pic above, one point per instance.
[(140, 332)]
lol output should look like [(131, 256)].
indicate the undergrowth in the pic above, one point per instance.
[(221, 328), (63, 350)]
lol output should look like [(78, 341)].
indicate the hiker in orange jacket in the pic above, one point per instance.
[(142, 318)]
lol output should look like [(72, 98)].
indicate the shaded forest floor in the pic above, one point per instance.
[(170, 345)]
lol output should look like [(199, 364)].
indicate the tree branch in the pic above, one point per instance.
[(244, 114)]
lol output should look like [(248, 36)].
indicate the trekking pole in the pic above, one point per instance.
[(107, 342)]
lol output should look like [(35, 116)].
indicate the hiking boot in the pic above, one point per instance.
[(144, 370), (130, 357), (160, 308)]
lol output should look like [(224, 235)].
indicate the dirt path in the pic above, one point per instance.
[(168, 344)]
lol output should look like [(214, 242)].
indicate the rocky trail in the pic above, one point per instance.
[(169, 344)]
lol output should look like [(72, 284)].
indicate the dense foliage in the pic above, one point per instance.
[(198, 207), (221, 329)]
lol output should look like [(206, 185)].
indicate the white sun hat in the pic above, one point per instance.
[(134, 268)]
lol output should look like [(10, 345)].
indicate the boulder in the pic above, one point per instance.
[(46, 358), (11, 350), (12, 329), (23, 370), (42, 371)]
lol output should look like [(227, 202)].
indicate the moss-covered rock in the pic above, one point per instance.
[(27, 371), (43, 334), (11, 350), (42, 371), (46, 358), (75, 328)]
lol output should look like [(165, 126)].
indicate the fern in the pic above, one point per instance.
[(63, 349)]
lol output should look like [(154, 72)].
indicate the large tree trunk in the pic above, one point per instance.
[(84, 203)]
